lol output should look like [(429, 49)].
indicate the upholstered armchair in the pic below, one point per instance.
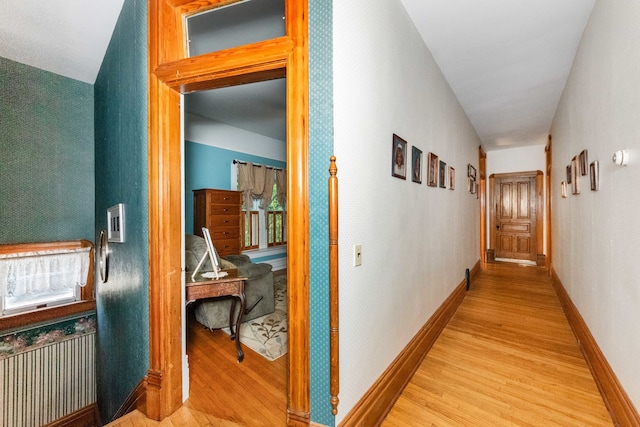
[(214, 312)]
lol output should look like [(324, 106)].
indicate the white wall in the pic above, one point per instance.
[(416, 240), (596, 234)]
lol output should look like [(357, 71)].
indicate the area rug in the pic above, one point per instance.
[(267, 335)]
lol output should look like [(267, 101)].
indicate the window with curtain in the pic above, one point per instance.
[(264, 205)]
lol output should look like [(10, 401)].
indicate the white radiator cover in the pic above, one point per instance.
[(47, 383)]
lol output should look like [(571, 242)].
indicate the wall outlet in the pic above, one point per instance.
[(357, 255)]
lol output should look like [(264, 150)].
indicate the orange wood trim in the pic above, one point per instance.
[(379, 399), (539, 213), (492, 213), (334, 323), (549, 164), (87, 416), (164, 390), (615, 398), (299, 406), (136, 400), (482, 174), (198, 72), (166, 56), (45, 314)]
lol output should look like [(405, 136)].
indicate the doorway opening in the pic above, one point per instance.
[(224, 127)]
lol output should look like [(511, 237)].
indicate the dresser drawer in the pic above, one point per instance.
[(227, 246), (224, 221), (225, 198), (224, 209), (223, 233)]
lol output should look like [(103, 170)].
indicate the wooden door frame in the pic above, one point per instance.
[(171, 73), (547, 217), (482, 189), (538, 198)]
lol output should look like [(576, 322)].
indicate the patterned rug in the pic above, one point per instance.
[(267, 335)]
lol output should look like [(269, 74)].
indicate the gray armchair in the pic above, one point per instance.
[(214, 313)]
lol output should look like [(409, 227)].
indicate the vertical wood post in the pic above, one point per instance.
[(333, 287)]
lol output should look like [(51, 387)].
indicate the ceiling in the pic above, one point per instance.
[(507, 61)]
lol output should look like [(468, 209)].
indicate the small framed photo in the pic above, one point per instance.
[(594, 175), (584, 161), (568, 174), (452, 178), (472, 186), (443, 174), (398, 157), (575, 175), (563, 189), (416, 162), (471, 172), (432, 170)]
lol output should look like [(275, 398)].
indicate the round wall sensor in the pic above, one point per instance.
[(621, 157)]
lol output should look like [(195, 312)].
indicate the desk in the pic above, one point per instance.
[(225, 286)]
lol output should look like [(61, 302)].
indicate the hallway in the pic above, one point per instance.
[(507, 357)]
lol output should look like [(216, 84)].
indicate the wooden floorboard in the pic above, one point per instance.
[(507, 357)]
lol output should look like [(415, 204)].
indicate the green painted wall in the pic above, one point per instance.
[(46, 156), (320, 150), (121, 177)]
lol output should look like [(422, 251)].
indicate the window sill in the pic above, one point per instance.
[(45, 314)]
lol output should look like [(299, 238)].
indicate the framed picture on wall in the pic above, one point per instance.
[(563, 189), (398, 157), (443, 174), (452, 178), (568, 174), (416, 162), (432, 170), (584, 161), (575, 175), (471, 172), (594, 175)]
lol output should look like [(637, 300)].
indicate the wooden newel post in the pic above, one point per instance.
[(333, 287)]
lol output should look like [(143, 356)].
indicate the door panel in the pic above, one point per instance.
[(515, 221)]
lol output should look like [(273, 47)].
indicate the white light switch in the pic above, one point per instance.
[(357, 255), (115, 223)]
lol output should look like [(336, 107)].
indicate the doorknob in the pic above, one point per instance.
[(497, 227)]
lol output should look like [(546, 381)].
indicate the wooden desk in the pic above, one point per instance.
[(225, 286)]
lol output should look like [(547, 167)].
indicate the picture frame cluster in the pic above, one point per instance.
[(439, 174), (578, 168)]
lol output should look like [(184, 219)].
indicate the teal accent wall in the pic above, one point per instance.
[(210, 167), (320, 150), (121, 177), (46, 156)]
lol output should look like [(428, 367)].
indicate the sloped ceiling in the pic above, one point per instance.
[(506, 60), (66, 37)]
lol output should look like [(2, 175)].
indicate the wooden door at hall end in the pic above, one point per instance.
[(515, 216)]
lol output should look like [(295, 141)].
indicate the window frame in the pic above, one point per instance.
[(87, 295)]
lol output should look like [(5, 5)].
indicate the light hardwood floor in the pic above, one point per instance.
[(506, 358)]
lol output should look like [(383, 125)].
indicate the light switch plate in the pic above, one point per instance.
[(115, 223), (357, 255)]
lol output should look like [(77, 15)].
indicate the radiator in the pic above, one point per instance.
[(44, 384)]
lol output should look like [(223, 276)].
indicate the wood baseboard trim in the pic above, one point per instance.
[(85, 417), (136, 400), (615, 398), (374, 406)]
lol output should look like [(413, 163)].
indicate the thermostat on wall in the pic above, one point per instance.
[(115, 223)]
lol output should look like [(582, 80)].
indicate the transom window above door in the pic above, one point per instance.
[(233, 25)]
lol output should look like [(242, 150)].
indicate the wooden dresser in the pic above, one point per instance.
[(219, 211)]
